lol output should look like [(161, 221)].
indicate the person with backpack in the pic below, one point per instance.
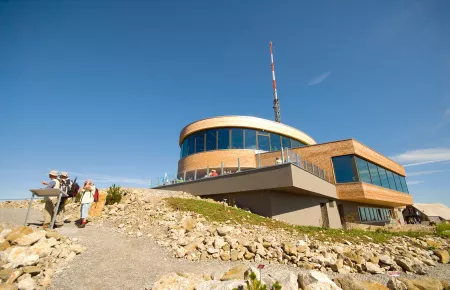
[(89, 194), (65, 184), (49, 203)]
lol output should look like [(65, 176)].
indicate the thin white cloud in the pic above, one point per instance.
[(422, 156), (417, 173), (317, 80), (415, 182)]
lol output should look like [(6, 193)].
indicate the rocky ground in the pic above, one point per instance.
[(29, 258), (139, 240)]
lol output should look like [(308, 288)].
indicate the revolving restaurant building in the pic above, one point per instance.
[(281, 172)]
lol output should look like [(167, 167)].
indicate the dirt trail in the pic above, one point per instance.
[(113, 260)]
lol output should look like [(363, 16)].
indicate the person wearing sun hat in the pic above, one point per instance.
[(49, 206)]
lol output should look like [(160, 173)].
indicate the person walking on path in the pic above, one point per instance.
[(49, 205), (87, 198)]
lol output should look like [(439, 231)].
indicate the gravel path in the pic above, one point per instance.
[(116, 261)]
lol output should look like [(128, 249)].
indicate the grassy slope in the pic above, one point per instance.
[(219, 213)]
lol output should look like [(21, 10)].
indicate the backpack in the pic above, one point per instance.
[(96, 195), (73, 190)]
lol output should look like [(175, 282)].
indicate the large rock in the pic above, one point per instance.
[(235, 273), (27, 284), (32, 270), (315, 280), (8, 287), (349, 283), (178, 281), (287, 279), (220, 285), (17, 233), (4, 245), (302, 246), (52, 234), (405, 264), (290, 248), (188, 223), (20, 256), (395, 284), (373, 268), (5, 273), (223, 231), (443, 256), (30, 239), (42, 248), (355, 258), (385, 259), (422, 284)]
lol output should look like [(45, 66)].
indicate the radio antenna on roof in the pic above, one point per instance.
[(276, 103)]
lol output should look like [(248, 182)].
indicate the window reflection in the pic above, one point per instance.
[(286, 142), (237, 138), (223, 139), (211, 140), (363, 170), (373, 169), (263, 141), (275, 142), (343, 169), (250, 139)]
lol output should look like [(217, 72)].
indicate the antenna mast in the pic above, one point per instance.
[(276, 103)]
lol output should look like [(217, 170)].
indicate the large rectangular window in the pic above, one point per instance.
[(391, 180), (191, 145), (344, 169), (223, 139), (398, 183), (286, 142), (263, 141), (383, 176), (404, 186), (363, 170), (296, 144), (199, 142), (374, 174), (372, 214), (250, 139), (237, 138), (211, 140), (275, 142)]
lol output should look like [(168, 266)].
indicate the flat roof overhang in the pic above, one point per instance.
[(285, 177)]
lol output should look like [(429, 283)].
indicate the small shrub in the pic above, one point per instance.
[(255, 284), (431, 248), (114, 195)]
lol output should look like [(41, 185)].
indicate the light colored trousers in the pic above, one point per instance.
[(49, 209), (84, 210)]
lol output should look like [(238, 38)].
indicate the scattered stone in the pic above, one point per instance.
[(315, 280), (8, 287), (235, 273), (395, 284), (188, 223), (30, 239), (4, 245), (27, 284), (5, 273), (426, 283), (223, 231), (32, 270), (443, 256), (17, 233), (290, 248), (178, 281), (373, 268)]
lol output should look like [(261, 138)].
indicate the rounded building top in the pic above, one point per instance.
[(246, 122)]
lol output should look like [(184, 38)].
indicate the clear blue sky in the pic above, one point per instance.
[(103, 88)]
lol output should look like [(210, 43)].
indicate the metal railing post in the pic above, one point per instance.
[(287, 155), (239, 165), (184, 176), (195, 174), (297, 160), (282, 155), (259, 160), (221, 166)]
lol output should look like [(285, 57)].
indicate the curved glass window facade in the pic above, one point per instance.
[(351, 168), (235, 138)]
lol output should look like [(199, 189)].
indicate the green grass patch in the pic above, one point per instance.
[(215, 212), (443, 230)]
